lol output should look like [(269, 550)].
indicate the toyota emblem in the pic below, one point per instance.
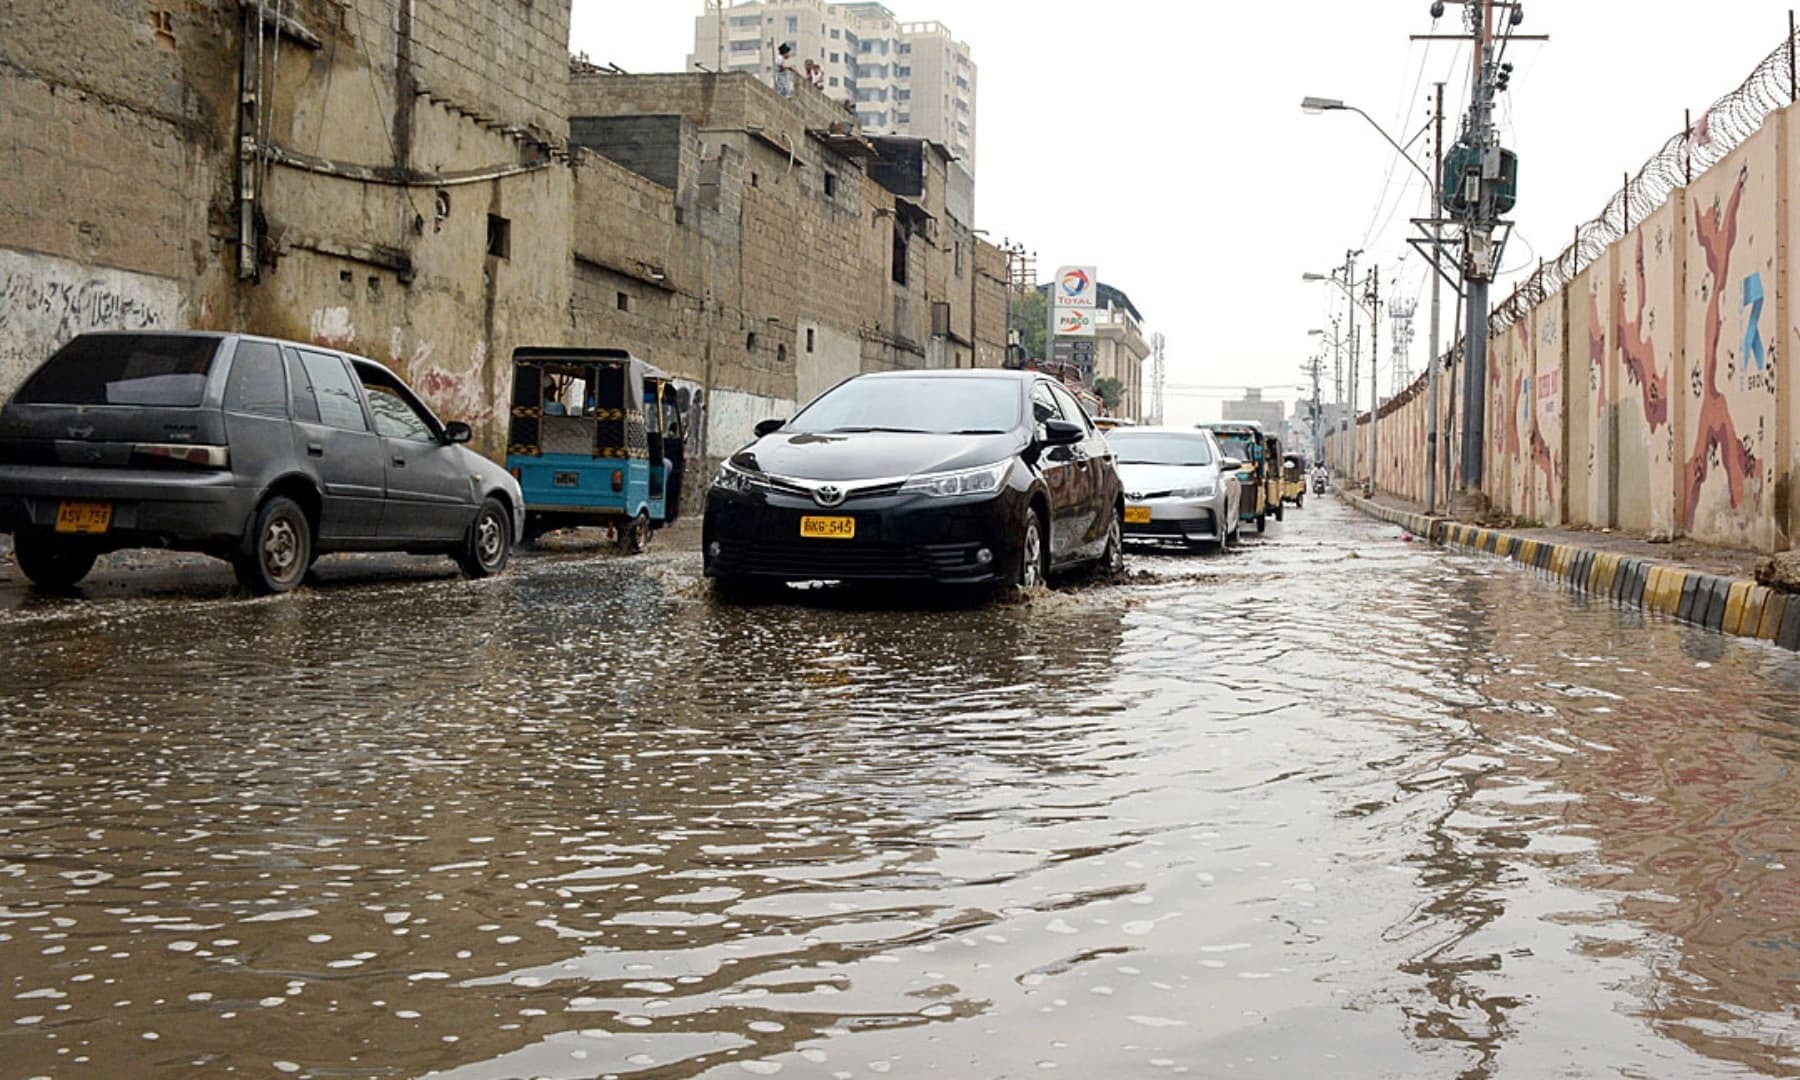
[(828, 495), (1135, 496)]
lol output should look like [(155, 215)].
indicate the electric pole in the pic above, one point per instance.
[(1374, 299)]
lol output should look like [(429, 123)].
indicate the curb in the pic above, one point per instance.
[(1736, 606)]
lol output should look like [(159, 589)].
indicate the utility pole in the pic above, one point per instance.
[(1374, 298), (1156, 378), (1431, 362), (1349, 269), (1475, 189)]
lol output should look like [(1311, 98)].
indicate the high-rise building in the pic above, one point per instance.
[(904, 78)]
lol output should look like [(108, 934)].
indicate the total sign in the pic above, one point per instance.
[(1076, 287), (1075, 322)]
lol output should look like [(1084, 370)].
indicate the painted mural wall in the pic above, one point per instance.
[(1646, 395)]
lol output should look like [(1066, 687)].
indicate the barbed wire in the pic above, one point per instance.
[(1721, 129)]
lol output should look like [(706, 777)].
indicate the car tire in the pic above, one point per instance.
[(1032, 561), (1112, 557), (1280, 510), (278, 549), (487, 544), (51, 564), (635, 537), (1299, 500)]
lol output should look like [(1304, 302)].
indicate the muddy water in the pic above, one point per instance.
[(1339, 805)]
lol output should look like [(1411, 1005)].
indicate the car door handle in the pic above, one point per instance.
[(399, 463), (313, 449)]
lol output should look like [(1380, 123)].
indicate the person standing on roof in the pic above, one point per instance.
[(784, 72)]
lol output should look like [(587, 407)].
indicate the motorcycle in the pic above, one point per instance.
[(1318, 484)]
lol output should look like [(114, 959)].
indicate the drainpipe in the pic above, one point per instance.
[(249, 89)]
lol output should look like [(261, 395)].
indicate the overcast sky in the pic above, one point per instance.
[(1163, 142)]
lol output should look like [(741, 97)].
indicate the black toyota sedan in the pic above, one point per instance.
[(977, 477)]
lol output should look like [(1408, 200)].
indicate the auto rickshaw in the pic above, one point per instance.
[(1293, 478), (1244, 441), (1273, 477), (596, 439)]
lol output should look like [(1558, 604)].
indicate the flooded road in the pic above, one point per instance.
[(1339, 805)]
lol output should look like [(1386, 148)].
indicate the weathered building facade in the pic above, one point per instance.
[(396, 177)]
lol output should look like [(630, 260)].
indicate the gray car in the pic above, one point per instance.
[(1179, 486), (263, 452)]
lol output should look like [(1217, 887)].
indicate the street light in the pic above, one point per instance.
[(1435, 182)]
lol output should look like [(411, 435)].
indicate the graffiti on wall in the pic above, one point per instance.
[(45, 301), (1717, 445), (1638, 351)]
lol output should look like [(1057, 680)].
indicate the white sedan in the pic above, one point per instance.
[(1179, 486)]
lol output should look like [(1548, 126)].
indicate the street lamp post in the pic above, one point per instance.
[(1337, 366), (1347, 283), (1435, 180)]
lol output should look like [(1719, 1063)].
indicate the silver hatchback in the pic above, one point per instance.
[(1179, 486)]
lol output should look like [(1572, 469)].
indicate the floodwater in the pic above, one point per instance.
[(1339, 805)]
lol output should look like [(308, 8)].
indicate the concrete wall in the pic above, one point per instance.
[(422, 202), (1647, 394)]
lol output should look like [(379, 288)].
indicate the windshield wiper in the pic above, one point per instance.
[(866, 429), (979, 431)]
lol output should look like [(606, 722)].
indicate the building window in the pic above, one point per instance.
[(793, 24), (745, 46), (834, 34), (781, 353), (901, 238), (834, 80), (959, 260), (625, 298), (753, 180), (809, 339), (834, 58), (830, 185), (750, 341), (499, 240), (903, 72), (905, 49)]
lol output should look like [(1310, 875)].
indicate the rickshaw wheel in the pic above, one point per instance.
[(1280, 507), (635, 537)]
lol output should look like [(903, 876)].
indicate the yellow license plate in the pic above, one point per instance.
[(828, 528), (1137, 515), (83, 517)]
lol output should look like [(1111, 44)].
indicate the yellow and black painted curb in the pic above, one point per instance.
[(1736, 606)]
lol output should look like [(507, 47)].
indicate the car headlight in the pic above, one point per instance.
[(730, 479), (1198, 491), (983, 481)]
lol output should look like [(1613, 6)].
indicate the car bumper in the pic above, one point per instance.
[(961, 541), (1176, 519), (147, 507)]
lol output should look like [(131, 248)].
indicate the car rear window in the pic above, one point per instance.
[(124, 369)]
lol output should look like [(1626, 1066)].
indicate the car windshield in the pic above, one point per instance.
[(1237, 446), (924, 404), (1156, 448), (124, 369)]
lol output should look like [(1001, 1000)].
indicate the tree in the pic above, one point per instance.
[(1111, 392), (1028, 319)]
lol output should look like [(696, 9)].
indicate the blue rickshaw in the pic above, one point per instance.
[(595, 439)]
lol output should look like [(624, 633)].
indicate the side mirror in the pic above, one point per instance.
[(458, 432), (767, 427), (1230, 464), (1062, 433)]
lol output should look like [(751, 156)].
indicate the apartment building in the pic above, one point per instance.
[(904, 78)]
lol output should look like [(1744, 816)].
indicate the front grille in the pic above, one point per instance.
[(1200, 526), (825, 560), (834, 560)]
